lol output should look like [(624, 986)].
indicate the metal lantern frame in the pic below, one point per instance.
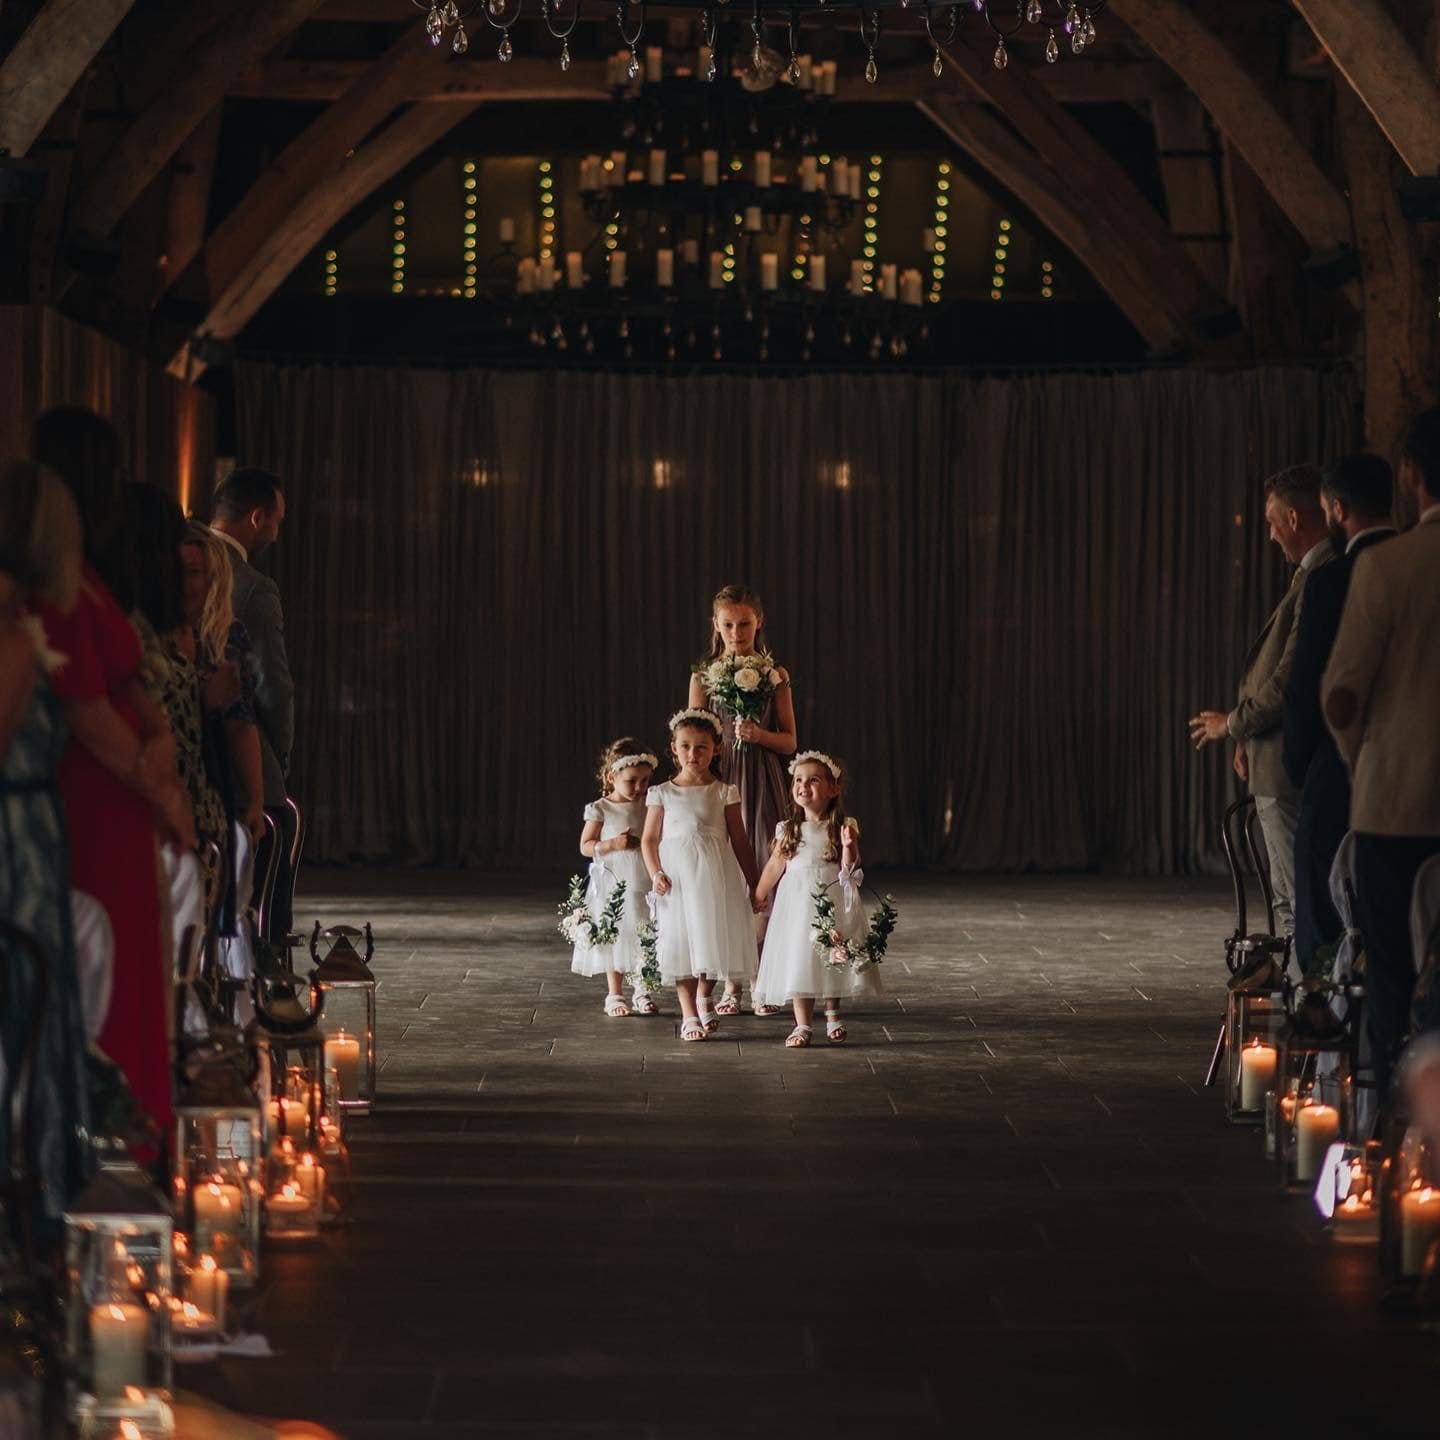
[(343, 984), (1316, 1069), (1254, 1021), (119, 1292), (1409, 1200)]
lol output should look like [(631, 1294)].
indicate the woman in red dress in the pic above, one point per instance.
[(117, 773)]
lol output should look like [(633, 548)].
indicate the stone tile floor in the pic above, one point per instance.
[(1006, 1206)]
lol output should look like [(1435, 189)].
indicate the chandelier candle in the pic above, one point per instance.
[(857, 277), (617, 269), (762, 169), (525, 277), (702, 67), (574, 269), (657, 167), (717, 269), (817, 272), (117, 1346), (690, 252), (652, 64), (1258, 1064), (507, 231), (769, 272), (665, 268), (911, 288), (807, 72), (840, 180), (888, 281), (854, 182), (809, 174), (709, 167), (752, 219)]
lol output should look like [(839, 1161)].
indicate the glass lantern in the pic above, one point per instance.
[(344, 990), (1315, 1084), (118, 1239), (294, 1067), (295, 1193), (151, 1419), (219, 1159), (1254, 1023), (1409, 1207), (1347, 1194)]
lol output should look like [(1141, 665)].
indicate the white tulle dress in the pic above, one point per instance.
[(605, 872), (706, 924), (790, 965)]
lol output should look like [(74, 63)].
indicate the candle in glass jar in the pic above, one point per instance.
[(208, 1288), (287, 1206), (310, 1177), (218, 1215), (769, 272), (342, 1050), (1316, 1127), (117, 1347), (1419, 1228), (665, 268), (1258, 1063), (762, 168)]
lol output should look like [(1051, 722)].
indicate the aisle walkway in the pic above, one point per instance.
[(1004, 1208)]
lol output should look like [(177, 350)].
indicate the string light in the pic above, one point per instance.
[(1047, 280), (871, 229), (468, 232), (1002, 249), (942, 229), (332, 271), (397, 248), (547, 211)]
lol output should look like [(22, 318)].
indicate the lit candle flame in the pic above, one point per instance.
[(117, 1312), (207, 1262)]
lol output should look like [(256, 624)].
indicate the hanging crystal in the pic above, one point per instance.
[(711, 69), (939, 66), (497, 8), (434, 26), (1002, 56), (1052, 48), (461, 43), (1072, 19), (793, 73), (872, 70), (565, 54), (757, 58), (449, 13), (633, 68), (1089, 30), (1034, 12), (1077, 41), (506, 51)]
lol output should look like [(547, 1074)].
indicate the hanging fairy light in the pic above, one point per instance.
[(469, 230), (1002, 250), (397, 248), (547, 211), (332, 272), (871, 229), (1047, 280)]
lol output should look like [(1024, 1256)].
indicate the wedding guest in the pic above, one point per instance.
[(1297, 526), (751, 751), (117, 772), (1356, 495), (39, 563), (249, 509), (1382, 696)]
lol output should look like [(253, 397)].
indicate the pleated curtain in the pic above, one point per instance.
[(1000, 598)]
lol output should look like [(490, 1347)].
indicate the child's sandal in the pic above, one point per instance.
[(728, 1004), (835, 1031), (692, 1030), (709, 1021), (642, 1004), (615, 1007), (798, 1038)]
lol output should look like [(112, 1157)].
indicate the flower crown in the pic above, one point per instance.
[(697, 717), (624, 762), (833, 766)]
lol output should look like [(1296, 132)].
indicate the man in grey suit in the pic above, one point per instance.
[(1256, 724), (248, 510)]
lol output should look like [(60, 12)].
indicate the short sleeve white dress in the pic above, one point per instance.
[(606, 871), (706, 925), (790, 965)]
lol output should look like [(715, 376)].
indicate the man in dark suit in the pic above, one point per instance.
[(249, 508), (1356, 494)]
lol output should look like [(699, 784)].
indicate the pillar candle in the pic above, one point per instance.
[(690, 252), (807, 72), (310, 1177), (809, 172), (208, 1288), (817, 272), (710, 167), (831, 72), (544, 276), (653, 59), (507, 231), (665, 268), (1419, 1228), (1316, 1127), (717, 269), (525, 277), (762, 168), (769, 272), (342, 1051), (117, 1347), (752, 219), (911, 288), (574, 269), (840, 179), (857, 277), (854, 182), (617, 269), (928, 239), (887, 281), (1258, 1063), (657, 167), (217, 1215)]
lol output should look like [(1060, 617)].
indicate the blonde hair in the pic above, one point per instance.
[(41, 538), (218, 613), (787, 842)]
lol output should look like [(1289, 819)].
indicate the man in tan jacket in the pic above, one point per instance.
[(1382, 704), (1256, 724)]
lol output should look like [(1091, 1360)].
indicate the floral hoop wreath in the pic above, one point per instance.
[(833, 766), (626, 762), (697, 717)]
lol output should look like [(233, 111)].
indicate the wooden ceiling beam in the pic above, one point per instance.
[(351, 181), (55, 50), (1245, 116), (153, 138), (1139, 293), (1385, 71)]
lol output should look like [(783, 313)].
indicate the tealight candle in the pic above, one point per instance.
[(1316, 1126), (1419, 1228), (342, 1050), (117, 1347), (1258, 1063), (1355, 1219), (288, 1209), (209, 1286), (190, 1317)]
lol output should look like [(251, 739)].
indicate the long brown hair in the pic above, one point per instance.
[(40, 532), (625, 745), (735, 595), (787, 842)]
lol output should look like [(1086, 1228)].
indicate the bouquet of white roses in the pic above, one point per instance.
[(580, 927), (742, 683)]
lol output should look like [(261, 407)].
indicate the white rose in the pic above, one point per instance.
[(748, 678)]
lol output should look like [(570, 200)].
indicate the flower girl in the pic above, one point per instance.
[(816, 848), (611, 842), (703, 871)]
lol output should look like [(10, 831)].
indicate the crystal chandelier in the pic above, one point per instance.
[(1061, 22)]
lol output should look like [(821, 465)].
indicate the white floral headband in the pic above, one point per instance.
[(625, 762), (833, 766), (696, 717)]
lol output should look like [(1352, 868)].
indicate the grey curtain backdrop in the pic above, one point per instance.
[(1000, 598)]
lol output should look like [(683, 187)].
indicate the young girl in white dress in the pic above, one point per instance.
[(611, 841), (818, 845), (703, 872)]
